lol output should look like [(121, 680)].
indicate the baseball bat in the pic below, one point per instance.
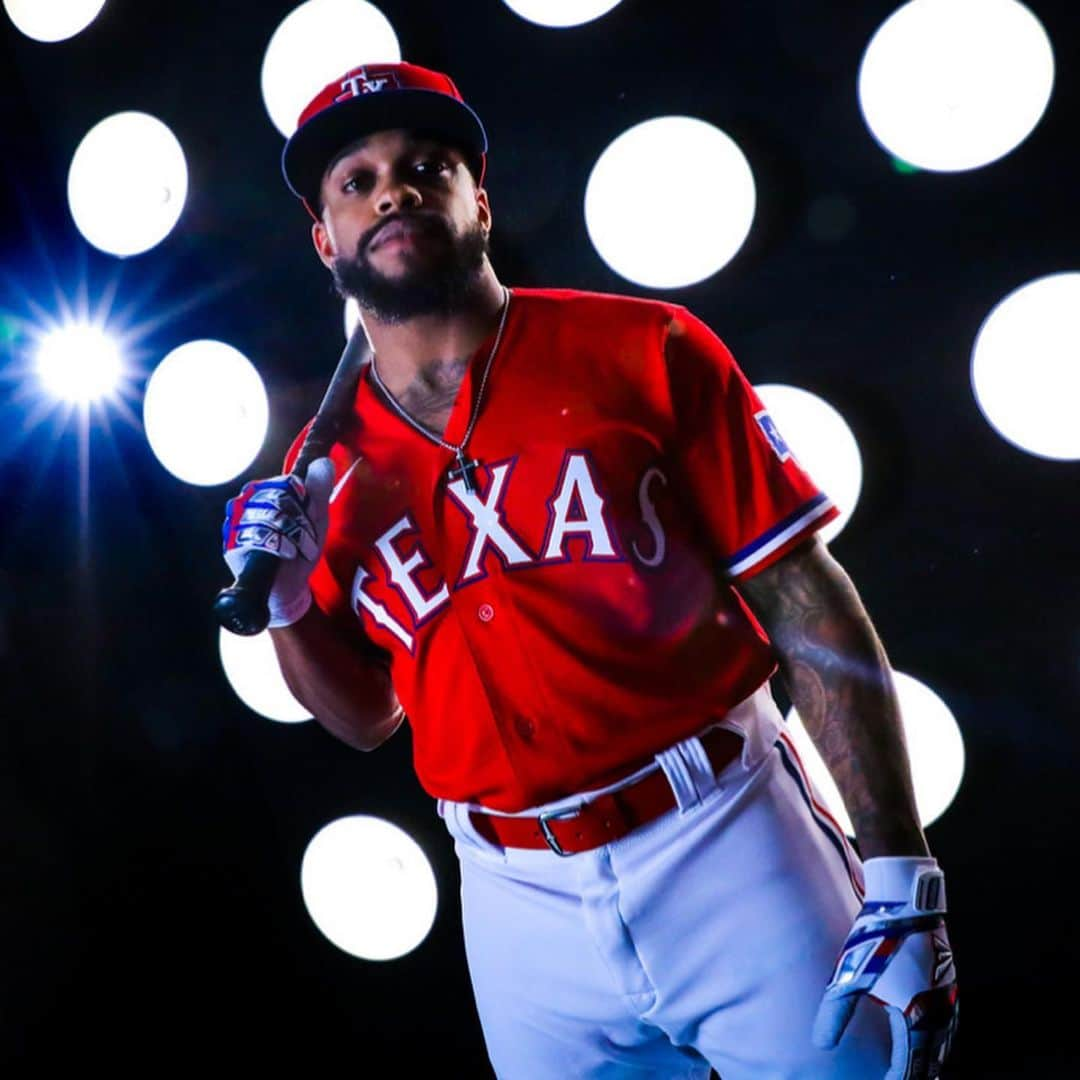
[(243, 607)]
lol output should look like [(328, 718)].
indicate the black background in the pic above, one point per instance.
[(153, 826)]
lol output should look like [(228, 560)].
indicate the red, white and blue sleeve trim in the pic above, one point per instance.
[(786, 534), (753, 499)]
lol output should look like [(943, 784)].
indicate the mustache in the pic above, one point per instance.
[(441, 286), (426, 219)]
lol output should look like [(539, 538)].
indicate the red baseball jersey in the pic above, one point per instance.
[(552, 630)]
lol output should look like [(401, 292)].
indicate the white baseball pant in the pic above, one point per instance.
[(703, 938)]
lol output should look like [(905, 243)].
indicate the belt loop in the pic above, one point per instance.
[(681, 775), (699, 765), (463, 828)]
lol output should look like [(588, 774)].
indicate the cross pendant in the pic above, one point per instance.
[(464, 470)]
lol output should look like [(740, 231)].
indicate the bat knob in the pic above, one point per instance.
[(238, 611), (244, 607)]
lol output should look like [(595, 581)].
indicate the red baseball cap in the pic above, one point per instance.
[(377, 97)]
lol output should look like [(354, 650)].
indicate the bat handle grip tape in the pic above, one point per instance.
[(243, 607)]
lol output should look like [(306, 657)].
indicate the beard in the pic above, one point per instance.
[(442, 287)]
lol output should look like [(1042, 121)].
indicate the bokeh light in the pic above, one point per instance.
[(127, 183), (79, 363), (561, 13), (1025, 367), (935, 748), (205, 412), (821, 441), (252, 668), (949, 85), (638, 223), (317, 42), (369, 887), (49, 20), (352, 317)]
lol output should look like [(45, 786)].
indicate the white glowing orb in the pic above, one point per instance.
[(79, 363), (369, 887), (52, 20), (949, 85), (647, 232), (317, 42), (352, 317), (1025, 367), (935, 749), (822, 443), (252, 668), (205, 412), (561, 12), (127, 183)]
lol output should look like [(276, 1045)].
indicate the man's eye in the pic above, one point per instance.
[(430, 166), (357, 182)]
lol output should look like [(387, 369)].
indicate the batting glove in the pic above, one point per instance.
[(898, 955), (286, 517)]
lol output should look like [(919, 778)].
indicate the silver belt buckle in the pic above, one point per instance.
[(557, 815)]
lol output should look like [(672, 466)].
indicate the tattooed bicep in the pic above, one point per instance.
[(799, 590)]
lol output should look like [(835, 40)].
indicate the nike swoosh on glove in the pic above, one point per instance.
[(898, 955)]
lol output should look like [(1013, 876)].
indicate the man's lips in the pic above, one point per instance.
[(401, 229)]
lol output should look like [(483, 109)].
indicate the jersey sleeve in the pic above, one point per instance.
[(750, 493)]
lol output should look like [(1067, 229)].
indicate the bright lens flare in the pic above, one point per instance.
[(79, 363), (950, 85), (561, 13), (53, 20), (352, 317), (1025, 367), (660, 242), (252, 668), (368, 886), (127, 183), (316, 42), (205, 412)]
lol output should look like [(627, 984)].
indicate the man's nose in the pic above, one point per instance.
[(397, 195)]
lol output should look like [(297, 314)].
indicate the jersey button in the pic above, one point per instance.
[(525, 728), (485, 613)]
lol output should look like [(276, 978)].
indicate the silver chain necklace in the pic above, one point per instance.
[(463, 468)]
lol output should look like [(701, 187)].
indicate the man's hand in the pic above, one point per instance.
[(898, 955), (287, 518)]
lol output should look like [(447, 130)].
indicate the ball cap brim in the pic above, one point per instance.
[(378, 97)]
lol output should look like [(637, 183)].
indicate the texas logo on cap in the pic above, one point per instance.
[(361, 82), (378, 97)]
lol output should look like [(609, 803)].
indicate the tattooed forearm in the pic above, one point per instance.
[(839, 679)]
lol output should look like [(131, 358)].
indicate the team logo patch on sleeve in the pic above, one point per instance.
[(772, 433)]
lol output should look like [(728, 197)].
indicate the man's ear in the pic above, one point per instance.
[(483, 209), (325, 247)]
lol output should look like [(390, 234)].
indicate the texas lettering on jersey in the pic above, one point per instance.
[(572, 614), (576, 508)]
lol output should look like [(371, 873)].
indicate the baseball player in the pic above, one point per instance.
[(563, 537)]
